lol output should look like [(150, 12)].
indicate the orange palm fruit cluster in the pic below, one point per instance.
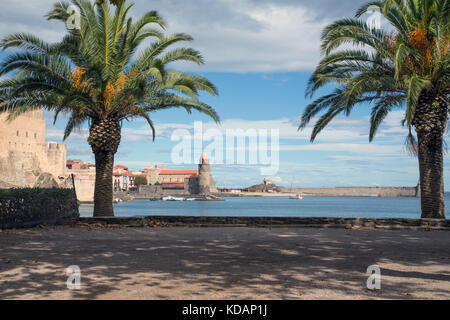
[(112, 90), (77, 75), (418, 38)]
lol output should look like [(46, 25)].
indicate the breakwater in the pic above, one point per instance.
[(356, 191)]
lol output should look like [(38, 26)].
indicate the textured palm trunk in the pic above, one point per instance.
[(430, 121), (104, 138), (103, 194)]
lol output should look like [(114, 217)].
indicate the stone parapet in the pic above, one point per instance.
[(272, 222)]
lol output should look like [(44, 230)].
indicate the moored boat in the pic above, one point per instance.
[(170, 198)]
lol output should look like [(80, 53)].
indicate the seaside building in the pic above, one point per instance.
[(79, 165), (124, 180), (176, 179), (179, 181), (153, 171)]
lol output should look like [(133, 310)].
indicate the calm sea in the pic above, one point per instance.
[(276, 207)]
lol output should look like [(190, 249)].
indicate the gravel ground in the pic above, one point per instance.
[(223, 263)]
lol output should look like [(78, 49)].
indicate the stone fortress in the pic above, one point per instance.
[(203, 183), (26, 160), (181, 182), (206, 183)]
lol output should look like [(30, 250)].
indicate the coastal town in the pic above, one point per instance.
[(27, 160), (224, 150)]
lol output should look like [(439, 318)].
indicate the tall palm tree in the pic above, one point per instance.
[(407, 67), (96, 75)]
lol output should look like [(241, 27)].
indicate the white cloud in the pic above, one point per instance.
[(233, 35), (359, 148), (276, 179), (341, 129), (288, 41)]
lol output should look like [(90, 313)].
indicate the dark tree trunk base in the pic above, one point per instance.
[(103, 195), (431, 176), (430, 121)]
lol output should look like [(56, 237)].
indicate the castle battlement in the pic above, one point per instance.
[(55, 146)]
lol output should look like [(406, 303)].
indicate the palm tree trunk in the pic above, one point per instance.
[(430, 121), (104, 138), (103, 194), (431, 170)]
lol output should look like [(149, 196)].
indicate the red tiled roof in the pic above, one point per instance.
[(129, 174), (173, 185), (178, 172), (121, 167)]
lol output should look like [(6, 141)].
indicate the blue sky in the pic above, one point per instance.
[(260, 55)]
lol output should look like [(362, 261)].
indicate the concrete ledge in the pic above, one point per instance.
[(297, 222)]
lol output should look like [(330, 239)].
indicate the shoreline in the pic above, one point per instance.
[(281, 194), (261, 195)]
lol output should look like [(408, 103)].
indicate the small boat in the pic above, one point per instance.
[(117, 200), (170, 198), (297, 197), (189, 199)]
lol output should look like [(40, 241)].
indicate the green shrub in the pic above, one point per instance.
[(140, 180), (28, 207)]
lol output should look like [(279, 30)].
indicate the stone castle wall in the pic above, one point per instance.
[(84, 184), (192, 185), (24, 154)]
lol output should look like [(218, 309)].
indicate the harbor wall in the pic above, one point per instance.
[(152, 191), (357, 191)]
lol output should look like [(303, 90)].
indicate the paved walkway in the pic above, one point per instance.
[(225, 263)]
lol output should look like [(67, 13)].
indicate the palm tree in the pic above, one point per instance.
[(96, 75), (408, 68)]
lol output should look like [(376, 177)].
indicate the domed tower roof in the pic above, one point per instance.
[(204, 159)]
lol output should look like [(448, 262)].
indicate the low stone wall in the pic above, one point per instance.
[(23, 208), (298, 222), (122, 196), (147, 192)]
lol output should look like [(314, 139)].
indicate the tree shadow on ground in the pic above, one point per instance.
[(223, 263)]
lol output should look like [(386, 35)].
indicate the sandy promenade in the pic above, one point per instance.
[(225, 263)]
